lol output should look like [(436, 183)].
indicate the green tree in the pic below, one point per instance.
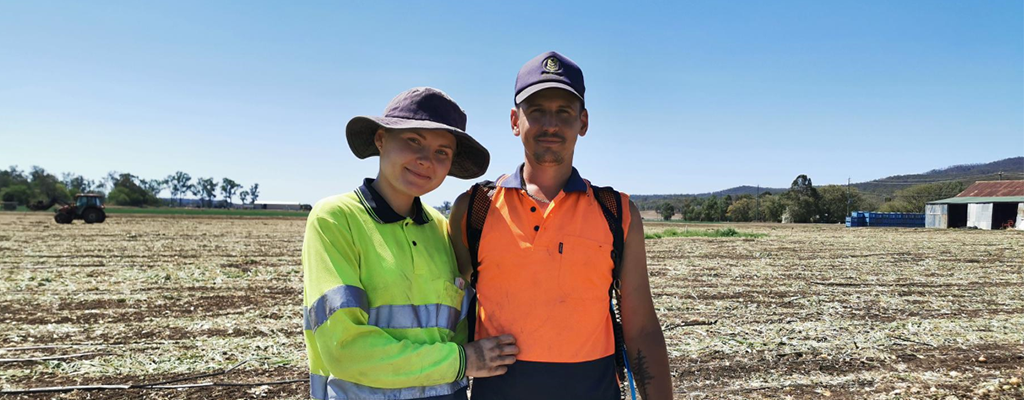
[(110, 179), (228, 188), (207, 189), (153, 186), (254, 192), (713, 210), (722, 209), (772, 208), (121, 196), (193, 189), (243, 196), (759, 210), (128, 191), (802, 200), (12, 176), (18, 193), (179, 184), (742, 210), (914, 198), (833, 203), (77, 184), (666, 210), (46, 187), (686, 209), (868, 204), (14, 186), (696, 210), (726, 203)]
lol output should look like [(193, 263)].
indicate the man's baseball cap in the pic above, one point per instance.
[(549, 70), (422, 108)]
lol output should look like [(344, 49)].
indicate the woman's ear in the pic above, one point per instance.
[(378, 138)]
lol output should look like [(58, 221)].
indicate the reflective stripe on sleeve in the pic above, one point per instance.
[(414, 316), (338, 297), (325, 388), (404, 316), (306, 324)]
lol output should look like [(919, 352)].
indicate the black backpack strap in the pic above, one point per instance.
[(480, 196), (479, 204), (611, 207)]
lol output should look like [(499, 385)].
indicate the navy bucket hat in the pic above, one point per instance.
[(422, 108), (549, 70)]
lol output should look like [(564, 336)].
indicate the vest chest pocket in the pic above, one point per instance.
[(452, 309), (586, 268)]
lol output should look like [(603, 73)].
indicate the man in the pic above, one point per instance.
[(543, 259)]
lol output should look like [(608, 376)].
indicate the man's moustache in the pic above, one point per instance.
[(545, 137)]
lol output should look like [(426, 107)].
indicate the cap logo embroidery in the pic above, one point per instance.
[(551, 64)]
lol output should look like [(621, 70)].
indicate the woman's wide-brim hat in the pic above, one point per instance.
[(422, 108)]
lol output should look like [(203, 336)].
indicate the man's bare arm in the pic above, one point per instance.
[(493, 355), (645, 343)]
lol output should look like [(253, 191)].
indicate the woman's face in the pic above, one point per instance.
[(415, 161)]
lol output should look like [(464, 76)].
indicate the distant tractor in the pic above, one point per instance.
[(87, 207)]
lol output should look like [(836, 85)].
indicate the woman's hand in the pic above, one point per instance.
[(491, 356)]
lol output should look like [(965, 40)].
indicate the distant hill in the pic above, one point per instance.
[(1011, 168), (735, 191)]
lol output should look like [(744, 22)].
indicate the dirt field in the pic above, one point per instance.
[(806, 312)]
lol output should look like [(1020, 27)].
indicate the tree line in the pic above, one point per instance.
[(37, 186), (803, 202)]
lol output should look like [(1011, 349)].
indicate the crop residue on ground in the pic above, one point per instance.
[(807, 311)]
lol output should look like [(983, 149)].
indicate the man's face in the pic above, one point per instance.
[(549, 122)]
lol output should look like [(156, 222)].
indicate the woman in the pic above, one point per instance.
[(384, 304)]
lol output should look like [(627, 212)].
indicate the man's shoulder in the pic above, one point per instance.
[(461, 204), (594, 186), (623, 196)]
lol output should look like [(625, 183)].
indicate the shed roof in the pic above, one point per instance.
[(994, 189), (968, 200)]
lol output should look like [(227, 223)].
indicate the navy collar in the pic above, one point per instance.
[(381, 211), (517, 181)]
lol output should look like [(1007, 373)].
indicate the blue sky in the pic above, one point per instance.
[(684, 97)]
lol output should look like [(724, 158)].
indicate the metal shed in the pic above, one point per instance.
[(984, 205)]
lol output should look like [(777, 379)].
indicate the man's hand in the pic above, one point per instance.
[(490, 357)]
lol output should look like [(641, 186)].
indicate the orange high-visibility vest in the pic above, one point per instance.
[(544, 274)]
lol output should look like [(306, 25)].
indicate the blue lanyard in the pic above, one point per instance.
[(629, 373)]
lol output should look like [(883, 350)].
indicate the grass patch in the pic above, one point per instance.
[(684, 221), (724, 232)]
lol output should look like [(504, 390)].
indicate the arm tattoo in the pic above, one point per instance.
[(641, 374)]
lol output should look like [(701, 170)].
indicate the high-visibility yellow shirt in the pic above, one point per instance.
[(383, 301)]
